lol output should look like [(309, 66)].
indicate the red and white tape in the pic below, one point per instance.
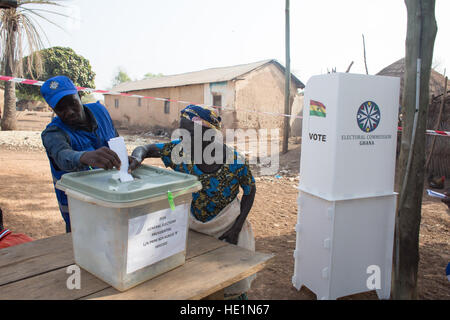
[(433, 132), (89, 90)]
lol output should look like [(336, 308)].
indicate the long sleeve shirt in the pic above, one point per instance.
[(58, 147)]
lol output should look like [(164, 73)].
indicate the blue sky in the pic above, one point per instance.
[(176, 36)]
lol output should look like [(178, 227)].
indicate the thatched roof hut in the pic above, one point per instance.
[(397, 69), (440, 161)]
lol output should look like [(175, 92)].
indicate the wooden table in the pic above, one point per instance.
[(38, 270)]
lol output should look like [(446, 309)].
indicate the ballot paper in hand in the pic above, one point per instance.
[(118, 146), (435, 194)]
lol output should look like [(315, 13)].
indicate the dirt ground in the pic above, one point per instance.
[(29, 204)]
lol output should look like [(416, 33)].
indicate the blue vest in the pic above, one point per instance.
[(83, 141)]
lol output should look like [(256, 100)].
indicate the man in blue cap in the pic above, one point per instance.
[(77, 138)]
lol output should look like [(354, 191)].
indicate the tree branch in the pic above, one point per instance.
[(349, 67), (365, 59)]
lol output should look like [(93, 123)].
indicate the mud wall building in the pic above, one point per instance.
[(256, 86)]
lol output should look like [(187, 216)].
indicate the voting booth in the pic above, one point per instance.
[(346, 204), (126, 233)]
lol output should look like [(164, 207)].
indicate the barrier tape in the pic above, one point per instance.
[(433, 132), (114, 93), (90, 90)]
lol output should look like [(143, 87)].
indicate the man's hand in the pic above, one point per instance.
[(232, 235), (133, 163), (101, 158)]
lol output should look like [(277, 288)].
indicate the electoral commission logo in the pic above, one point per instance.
[(368, 116)]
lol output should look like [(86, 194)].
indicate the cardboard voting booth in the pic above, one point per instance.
[(346, 215), (349, 136)]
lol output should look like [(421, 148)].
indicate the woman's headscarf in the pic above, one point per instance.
[(206, 116)]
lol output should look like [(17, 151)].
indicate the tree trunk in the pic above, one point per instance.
[(9, 121), (421, 33)]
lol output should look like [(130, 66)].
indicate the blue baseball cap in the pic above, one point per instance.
[(56, 88)]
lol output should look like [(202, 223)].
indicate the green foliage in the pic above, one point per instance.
[(120, 77), (90, 98), (59, 61), (152, 75), (20, 31), (20, 95)]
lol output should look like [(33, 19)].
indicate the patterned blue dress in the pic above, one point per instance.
[(219, 188)]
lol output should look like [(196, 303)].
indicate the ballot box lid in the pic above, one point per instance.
[(149, 182)]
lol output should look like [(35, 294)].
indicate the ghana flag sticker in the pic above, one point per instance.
[(317, 109)]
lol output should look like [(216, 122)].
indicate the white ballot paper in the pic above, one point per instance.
[(118, 146), (435, 194)]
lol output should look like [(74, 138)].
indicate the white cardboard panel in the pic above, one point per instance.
[(339, 159), (311, 256), (339, 240)]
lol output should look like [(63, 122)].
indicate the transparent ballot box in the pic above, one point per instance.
[(127, 233)]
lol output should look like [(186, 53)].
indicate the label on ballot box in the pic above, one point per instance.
[(156, 236)]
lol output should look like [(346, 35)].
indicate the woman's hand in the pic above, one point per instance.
[(133, 163), (232, 235), (137, 156)]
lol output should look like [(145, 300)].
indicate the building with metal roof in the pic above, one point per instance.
[(243, 94)]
